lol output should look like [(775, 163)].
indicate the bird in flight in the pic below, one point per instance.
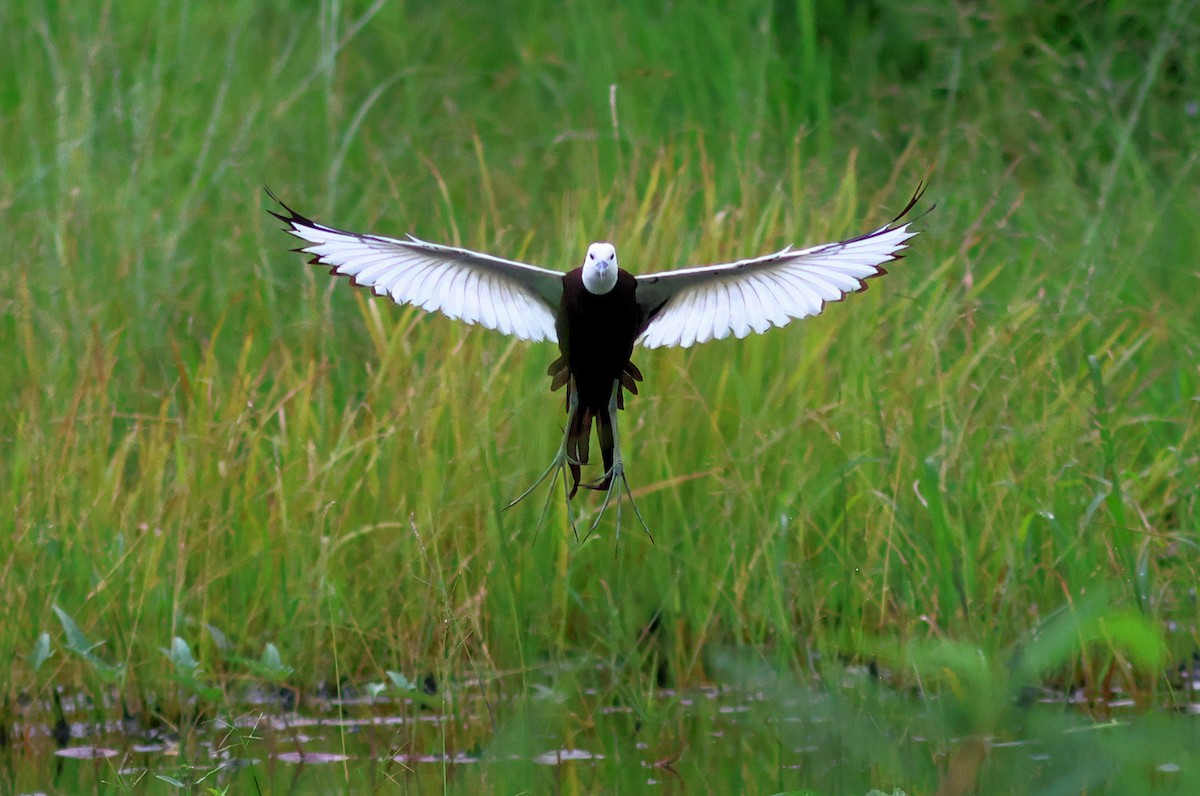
[(598, 312)]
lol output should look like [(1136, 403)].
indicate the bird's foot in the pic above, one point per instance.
[(561, 462), (613, 481)]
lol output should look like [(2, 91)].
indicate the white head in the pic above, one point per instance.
[(600, 268)]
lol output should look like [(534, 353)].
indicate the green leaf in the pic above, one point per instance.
[(41, 651), (1137, 636), (210, 693), (76, 641), (401, 682), (271, 665), (79, 644), (108, 673), (181, 657), (964, 666), (218, 638), (1059, 637)]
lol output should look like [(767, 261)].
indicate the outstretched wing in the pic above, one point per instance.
[(695, 305), (510, 297)]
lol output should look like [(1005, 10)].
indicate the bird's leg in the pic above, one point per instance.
[(559, 465), (616, 473)]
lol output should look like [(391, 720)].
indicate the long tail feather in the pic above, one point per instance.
[(580, 425), (604, 433), (578, 442)]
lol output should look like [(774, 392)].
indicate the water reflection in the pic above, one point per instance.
[(719, 740)]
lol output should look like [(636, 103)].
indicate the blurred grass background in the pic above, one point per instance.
[(199, 431)]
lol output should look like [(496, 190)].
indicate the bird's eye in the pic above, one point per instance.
[(591, 256)]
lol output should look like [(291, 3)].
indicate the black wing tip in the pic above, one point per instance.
[(292, 215), (918, 194), (292, 219), (895, 223)]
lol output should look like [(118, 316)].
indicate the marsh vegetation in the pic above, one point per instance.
[(958, 511)]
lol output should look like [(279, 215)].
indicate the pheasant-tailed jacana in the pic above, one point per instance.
[(598, 312)]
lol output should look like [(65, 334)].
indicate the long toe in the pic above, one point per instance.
[(603, 485)]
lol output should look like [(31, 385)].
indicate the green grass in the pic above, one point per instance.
[(197, 430)]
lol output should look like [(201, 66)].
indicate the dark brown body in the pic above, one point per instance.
[(596, 334)]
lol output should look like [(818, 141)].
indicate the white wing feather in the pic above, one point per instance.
[(508, 296), (695, 305)]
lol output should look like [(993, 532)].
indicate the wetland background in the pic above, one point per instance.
[(941, 538)]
